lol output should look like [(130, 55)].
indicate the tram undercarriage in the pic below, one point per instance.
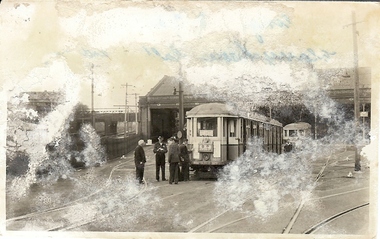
[(206, 172)]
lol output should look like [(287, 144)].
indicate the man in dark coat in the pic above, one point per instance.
[(288, 147), (160, 150), (173, 161), (140, 161), (185, 160)]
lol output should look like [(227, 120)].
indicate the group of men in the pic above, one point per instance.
[(178, 159)]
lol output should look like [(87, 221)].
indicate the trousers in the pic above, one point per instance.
[(140, 173), (160, 164), (173, 168)]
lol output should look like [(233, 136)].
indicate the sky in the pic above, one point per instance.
[(64, 45)]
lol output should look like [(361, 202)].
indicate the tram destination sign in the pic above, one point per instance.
[(205, 148)]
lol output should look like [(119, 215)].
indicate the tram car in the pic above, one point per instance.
[(295, 131), (217, 136)]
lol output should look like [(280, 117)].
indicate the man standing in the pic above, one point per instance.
[(140, 161), (160, 150), (173, 161), (185, 160)]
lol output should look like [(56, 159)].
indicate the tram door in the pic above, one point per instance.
[(232, 139)]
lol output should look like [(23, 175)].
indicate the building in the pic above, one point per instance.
[(159, 109), (340, 87), (44, 101)]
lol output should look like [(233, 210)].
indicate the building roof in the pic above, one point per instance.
[(166, 86), (343, 78)]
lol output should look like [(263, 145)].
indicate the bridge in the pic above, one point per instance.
[(110, 120)]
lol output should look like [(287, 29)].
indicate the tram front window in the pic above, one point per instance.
[(207, 127)]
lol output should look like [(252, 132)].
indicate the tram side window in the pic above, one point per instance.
[(207, 127), (292, 133)]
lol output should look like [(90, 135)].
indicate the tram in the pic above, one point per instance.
[(217, 136), (294, 131)]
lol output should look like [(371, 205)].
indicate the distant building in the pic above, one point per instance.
[(44, 101), (339, 83)]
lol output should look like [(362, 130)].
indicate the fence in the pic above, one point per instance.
[(116, 147)]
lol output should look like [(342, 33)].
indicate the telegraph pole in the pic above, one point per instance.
[(181, 116), (125, 109), (363, 125), (180, 107), (92, 96), (136, 110), (356, 90)]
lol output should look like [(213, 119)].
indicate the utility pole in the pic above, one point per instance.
[(363, 125), (180, 107), (125, 109), (136, 110), (92, 96), (181, 116), (356, 90)]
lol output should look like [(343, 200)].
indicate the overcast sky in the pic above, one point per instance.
[(52, 46)]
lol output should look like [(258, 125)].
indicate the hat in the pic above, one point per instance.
[(160, 137), (174, 138)]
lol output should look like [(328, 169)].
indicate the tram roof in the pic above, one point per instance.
[(220, 109), (298, 125), (209, 109)]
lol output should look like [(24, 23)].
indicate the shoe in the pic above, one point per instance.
[(170, 183), (175, 183), (164, 179), (157, 180)]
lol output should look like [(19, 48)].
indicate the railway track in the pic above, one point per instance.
[(332, 218), (302, 203), (218, 222), (69, 205), (73, 225), (146, 190), (79, 223), (205, 228)]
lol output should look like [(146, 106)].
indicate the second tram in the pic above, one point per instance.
[(294, 131), (217, 136)]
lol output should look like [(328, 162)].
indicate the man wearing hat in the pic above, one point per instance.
[(185, 160), (173, 161), (160, 150)]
